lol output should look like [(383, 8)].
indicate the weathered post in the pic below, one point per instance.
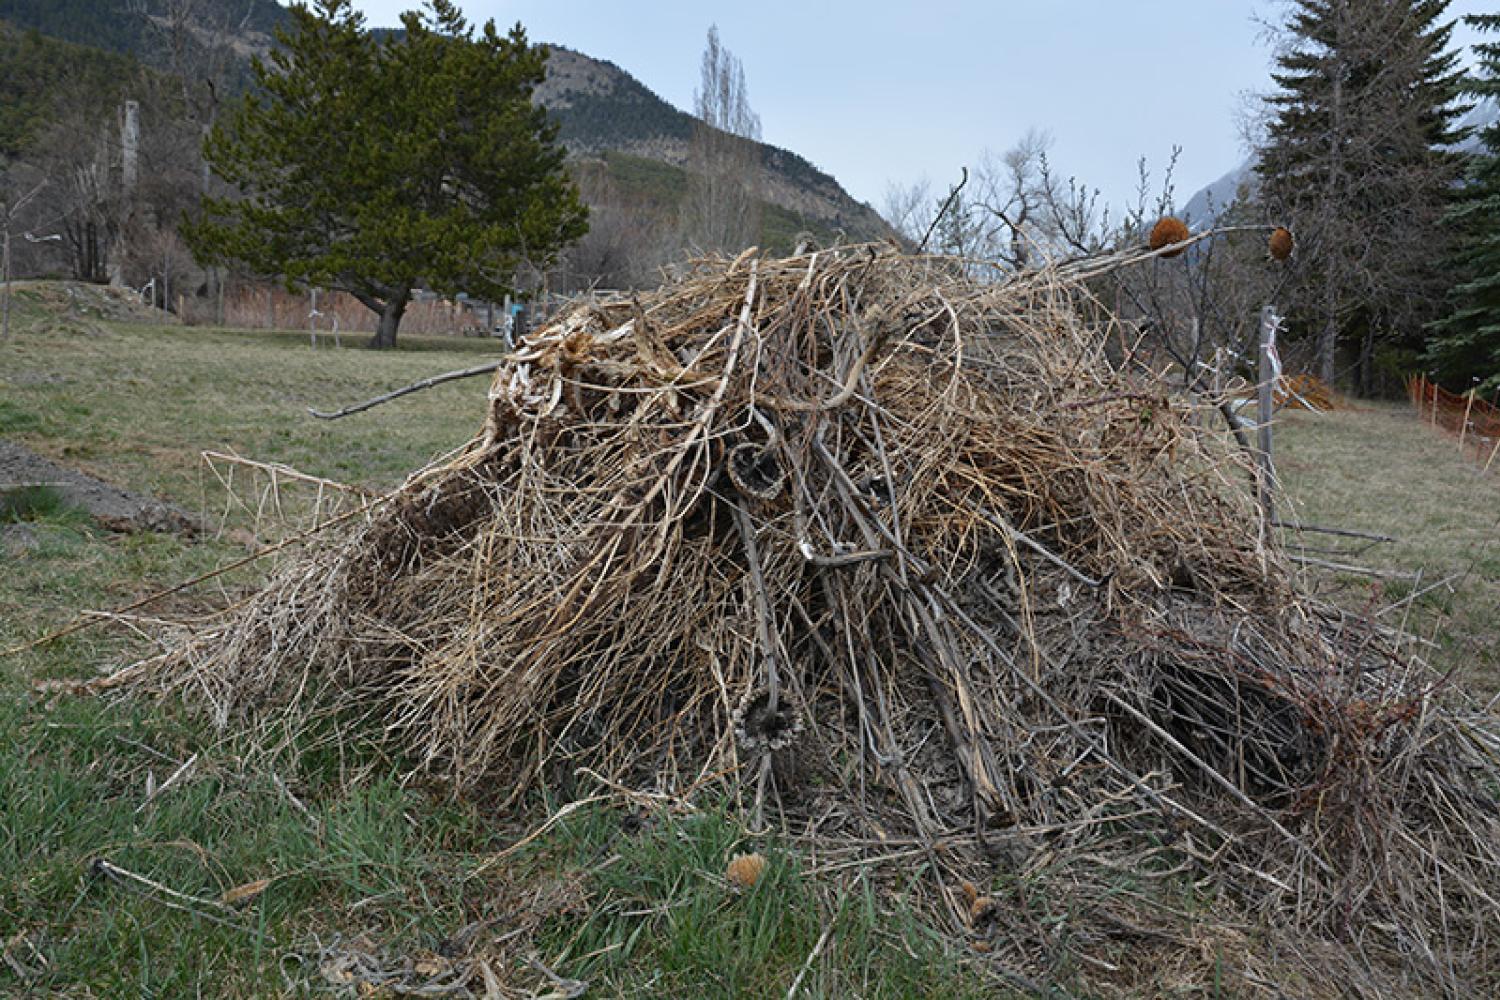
[(1463, 432), (1269, 370), (11, 210), (130, 145), (5, 267), (312, 322)]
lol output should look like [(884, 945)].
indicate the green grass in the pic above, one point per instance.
[(665, 922), (356, 857), (1378, 469), (37, 503)]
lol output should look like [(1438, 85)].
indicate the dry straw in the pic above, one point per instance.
[(919, 574)]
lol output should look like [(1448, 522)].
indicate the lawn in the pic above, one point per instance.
[(1379, 470), (143, 854)]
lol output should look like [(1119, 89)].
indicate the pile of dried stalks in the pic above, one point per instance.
[(911, 567)]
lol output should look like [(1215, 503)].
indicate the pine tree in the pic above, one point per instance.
[(1356, 161), (378, 165), (1466, 342)]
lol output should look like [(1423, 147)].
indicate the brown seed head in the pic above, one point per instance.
[(983, 912), (1169, 230), (745, 870), (1281, 243)]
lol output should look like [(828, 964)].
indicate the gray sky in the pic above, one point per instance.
[(874, 92)]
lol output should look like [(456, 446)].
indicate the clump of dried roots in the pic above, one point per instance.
[(903, 562)]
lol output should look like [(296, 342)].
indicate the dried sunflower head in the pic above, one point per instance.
[(1280, 244), (1169, 230), (745, 870)]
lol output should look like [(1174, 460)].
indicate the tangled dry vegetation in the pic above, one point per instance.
[(913, 568)]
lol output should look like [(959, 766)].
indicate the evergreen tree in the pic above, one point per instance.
[(1357, 161), (1466, 342), (377, 165)]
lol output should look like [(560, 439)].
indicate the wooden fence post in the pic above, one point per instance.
[(1463, 432)]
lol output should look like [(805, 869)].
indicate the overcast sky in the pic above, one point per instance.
[(875, 92)]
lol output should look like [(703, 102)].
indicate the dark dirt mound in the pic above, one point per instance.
[(114, 508)]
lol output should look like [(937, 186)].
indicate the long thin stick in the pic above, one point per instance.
[(1343, 532), (426, 383), (944, 210), (811, 958), (83, 621), (1384, 574)]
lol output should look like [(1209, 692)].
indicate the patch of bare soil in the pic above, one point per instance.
[(114, 508)]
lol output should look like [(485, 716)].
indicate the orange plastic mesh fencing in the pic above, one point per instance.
[(1476, 421)]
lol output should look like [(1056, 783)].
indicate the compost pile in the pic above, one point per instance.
[(912, 567)]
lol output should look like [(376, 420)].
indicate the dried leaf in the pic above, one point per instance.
[(242, 894)]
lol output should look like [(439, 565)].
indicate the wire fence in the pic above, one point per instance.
[(1476, 421)]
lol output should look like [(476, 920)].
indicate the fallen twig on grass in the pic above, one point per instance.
[(208, 909), (1344, 532), (1384, 574), (85, 619), (406, 390)]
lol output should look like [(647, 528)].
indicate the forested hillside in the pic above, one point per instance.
[(38, 75), (115, 25)]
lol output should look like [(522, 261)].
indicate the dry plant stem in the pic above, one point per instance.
[(1342, 532), (1017, 535), (277, 469), (418, 386), (954, 535), (1384, 574), (208, 909), (83, 621), (764, 630)]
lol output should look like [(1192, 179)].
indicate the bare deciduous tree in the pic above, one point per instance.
[(908, 208), (627, 242), (722, 210)]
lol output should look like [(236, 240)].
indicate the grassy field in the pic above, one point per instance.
[(1378, 470), (141, 854)]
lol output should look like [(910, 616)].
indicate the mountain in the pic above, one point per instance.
[(608, 120), (1479, 118), (1207, 204), (605, 113)]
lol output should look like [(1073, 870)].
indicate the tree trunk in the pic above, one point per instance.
[(1367, 362), (1328, 345), (390, 319)]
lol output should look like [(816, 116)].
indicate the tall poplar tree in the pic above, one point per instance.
[(1358, 162), (1465, 345), (379, 165)]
